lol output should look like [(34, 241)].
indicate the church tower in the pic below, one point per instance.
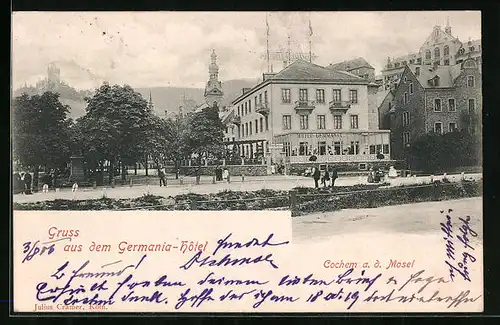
[(213, 90)]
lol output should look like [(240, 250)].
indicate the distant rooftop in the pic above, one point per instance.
[(350, 65)]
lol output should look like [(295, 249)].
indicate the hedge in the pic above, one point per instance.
[(308, 199)]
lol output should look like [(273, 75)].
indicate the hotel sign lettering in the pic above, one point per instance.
[(319, 135)]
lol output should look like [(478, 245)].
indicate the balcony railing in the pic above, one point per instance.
[(306, 105), (236, 120), (340, 106), (262, 108), (337, 158)]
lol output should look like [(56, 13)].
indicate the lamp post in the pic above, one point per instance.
[(408, 156)]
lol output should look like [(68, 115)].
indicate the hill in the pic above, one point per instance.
[(169, 98)]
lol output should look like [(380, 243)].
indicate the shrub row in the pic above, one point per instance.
[(308, 199)]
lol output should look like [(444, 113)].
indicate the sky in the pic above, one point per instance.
[(151, 49)]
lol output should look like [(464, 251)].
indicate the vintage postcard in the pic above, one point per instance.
[(195, 162)]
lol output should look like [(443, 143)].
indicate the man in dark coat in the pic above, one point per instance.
[(161, 174), (27, 183), (334, 176), (316, 175)]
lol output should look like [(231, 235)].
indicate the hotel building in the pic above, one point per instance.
[(307, 110)]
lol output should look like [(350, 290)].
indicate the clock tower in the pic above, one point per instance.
[(213, 90)]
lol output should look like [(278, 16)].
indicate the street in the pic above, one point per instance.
[(251, 183)]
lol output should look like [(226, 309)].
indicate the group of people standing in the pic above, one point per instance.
[(22, 183), (221, 174), (328, 178)]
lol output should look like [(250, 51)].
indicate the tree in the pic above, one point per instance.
[(205, 133), (41, 132), (115, 127), (177, 146)]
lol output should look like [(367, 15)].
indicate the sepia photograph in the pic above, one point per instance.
[(359, 124)]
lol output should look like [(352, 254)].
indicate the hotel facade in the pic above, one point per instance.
[(307, 110)]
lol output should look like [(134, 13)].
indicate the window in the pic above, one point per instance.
[(354, 122), (337, 147), (249, 106), (255, 99), (446, 50), (428, 54), (246, 129), (406, 118), (354, 148), (406, 79), (287, 122), (246, 108), (385, 149), (406, 138), (287, 148), (436, 53), (353, 96), (267, 124), (452, 127), (411, 88), (470, 81), (304, 122), (303, 95), (451, 105), (250, 127), (471, 48), (372, 149), (419, 60), (417, 71), (260, 98), (303, 148), (256, 126), (337, 95), (472, 106), (239, 113), (438, 127), (321, 122), (227, 129), (461, 51), (265, 96), (337, 122), (285, 95), (322, 148), (320, 95), (239, 132), (437, 105), (446, 62), (261, 124), (405, 98)]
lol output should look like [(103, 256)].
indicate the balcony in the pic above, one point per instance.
[(262, 108), (305, 106), (236, 120), (340, 106)]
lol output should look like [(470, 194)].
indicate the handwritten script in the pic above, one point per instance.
[(87, 285), (458, 248)]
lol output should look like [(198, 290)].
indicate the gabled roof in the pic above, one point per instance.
[(442, 37), (446, 74), (350, 65), (303, 70)]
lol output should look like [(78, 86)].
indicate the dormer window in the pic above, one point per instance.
[(417, 71)]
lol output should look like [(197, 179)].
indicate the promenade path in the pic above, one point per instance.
[(251, 183)]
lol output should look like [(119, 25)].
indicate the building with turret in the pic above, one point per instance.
[(213, 89), (441, 48)]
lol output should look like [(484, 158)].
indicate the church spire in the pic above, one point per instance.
[(150, 104), (213, 90)]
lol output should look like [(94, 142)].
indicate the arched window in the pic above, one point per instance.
[(427, 54), (446, 50), (436, 52)]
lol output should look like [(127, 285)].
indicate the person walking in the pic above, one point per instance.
[(316, 175), (161, 174), (334, 176), (225, 175)]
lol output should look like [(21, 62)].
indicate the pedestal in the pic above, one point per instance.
[(76, 172)]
